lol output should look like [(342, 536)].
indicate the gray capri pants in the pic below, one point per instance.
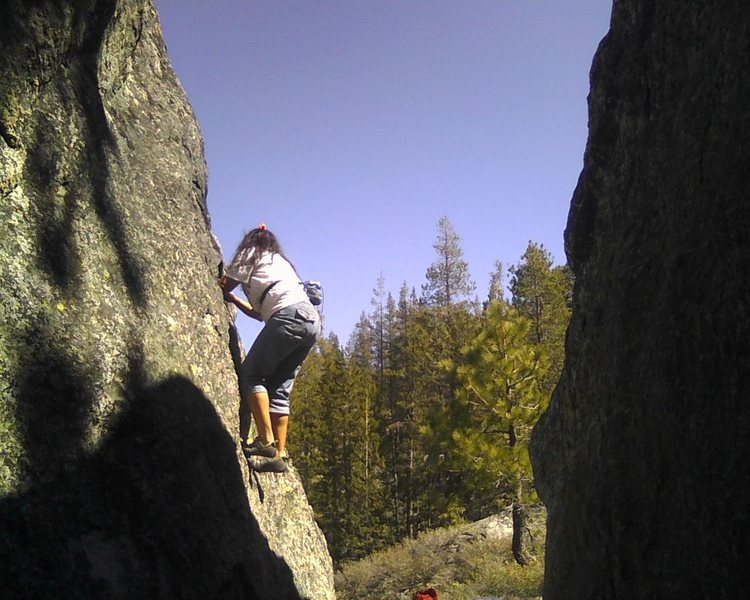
[(277, 354)]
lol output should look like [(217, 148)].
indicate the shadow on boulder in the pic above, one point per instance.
[(159, 509)]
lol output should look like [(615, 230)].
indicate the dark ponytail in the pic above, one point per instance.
[(262, 240)]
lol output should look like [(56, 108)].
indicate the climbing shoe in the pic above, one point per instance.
[(269, 465), (256, 448)]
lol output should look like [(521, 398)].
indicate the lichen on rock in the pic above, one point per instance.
[(120, 473)]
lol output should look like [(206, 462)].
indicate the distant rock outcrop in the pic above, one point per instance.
[(120, 475), (642, 458)]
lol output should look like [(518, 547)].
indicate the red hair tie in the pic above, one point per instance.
[(262, 227)]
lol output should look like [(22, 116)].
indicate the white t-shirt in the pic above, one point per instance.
[(270, 268)]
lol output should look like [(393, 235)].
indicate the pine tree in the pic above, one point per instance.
[(359, 349), (448, 279), (448, 330), (396, 432), (335, 450), (362, 385), (378, 318), (542, 293), (426, 335), (501, 391), (310, 430), (495, 291)]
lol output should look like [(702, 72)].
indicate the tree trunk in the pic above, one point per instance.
[(520, 513), (521, 552), (410, 493)]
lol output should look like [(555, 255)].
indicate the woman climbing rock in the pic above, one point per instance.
[(275, 295)]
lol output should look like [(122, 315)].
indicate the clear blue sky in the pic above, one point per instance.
[(351, 126)]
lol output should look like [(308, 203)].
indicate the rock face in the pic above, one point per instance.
[(642, 458), (120, 475)]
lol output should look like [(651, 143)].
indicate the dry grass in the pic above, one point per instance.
[(458, 570)]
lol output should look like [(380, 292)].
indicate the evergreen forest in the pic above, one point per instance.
[(423, 418)]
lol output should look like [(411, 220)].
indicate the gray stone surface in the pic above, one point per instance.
[(642, 458), (120, 475)]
